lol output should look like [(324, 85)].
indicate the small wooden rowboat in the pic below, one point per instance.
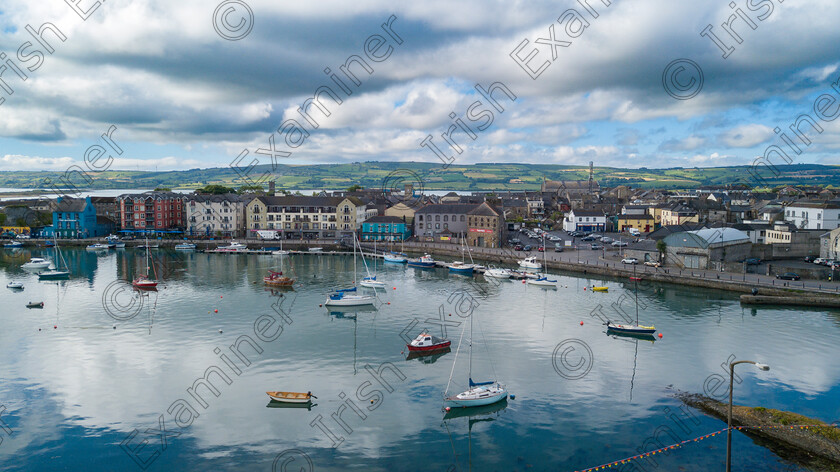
[(600, 289), (291, 397), (636, 279), (35, 305)]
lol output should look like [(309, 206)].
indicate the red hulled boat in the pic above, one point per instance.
[(427, 342)]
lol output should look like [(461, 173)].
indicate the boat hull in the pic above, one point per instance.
[(372, 284), (290, 397), (360, 301), (600, 289), (455, 402), (54, 275), (434, 347), (422, 265), (629, 329), (38, 265)]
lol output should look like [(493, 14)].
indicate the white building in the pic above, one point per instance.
[(813, 215), (213, 215), (585, 220)]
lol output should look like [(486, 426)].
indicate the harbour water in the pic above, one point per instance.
[(100, 369)]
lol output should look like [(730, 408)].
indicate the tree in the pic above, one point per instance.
[(2, 219), (250, 188), (214, 189), (354, 188), (163, 189), (662, 247)]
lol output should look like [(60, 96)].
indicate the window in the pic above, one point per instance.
[(437, 225), (437, 217), (462, 218), (420, 218), (445, 218), (419, 225)]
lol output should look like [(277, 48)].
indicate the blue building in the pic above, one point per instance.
[(76, 218), (385, 228)]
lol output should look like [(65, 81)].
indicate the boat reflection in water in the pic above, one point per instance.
[(276, 404), (639, 336), (428, 357), (474, 415), (350, 312)]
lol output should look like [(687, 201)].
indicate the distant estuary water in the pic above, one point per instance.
[(104, 379)]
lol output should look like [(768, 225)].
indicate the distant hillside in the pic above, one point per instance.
[(434, 177)]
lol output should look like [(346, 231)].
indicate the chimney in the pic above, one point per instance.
[(408, 190), (271, 188)]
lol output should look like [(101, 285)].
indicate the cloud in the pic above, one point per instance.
[(746, 136)]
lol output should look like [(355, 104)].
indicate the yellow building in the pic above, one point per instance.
[(643, 223), (401, 210), (679, 215)]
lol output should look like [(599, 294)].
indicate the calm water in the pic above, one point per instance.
[(74, 393)]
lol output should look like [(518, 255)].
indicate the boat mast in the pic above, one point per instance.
[(471, 335), (636, 289), (354, 257)]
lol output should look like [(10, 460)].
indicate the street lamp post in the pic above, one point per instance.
[(729, 415)]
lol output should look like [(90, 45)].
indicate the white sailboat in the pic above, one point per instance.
[(348, 296), (36, 263), (280, 252), (461, 267), (543, 279), (370, 281), (60, 271), (636, 329), (396, 257), (479, 393)]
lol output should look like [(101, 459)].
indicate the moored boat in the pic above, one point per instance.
[(498, 273), (61, 271), (600, 289), (425, 262), (543, 281), (277, 279), (143, 282), (13, 244), (36, 263), (459, 267), (291, 397), (396, 258), (232, 247), (35, 305), (427, 342), (530, 263), (15, 285), (97, 247), (346, 297), (371, 282), (184, 247), (630, 329), (316, 249)]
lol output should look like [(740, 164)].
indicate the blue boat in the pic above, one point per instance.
[(459, 267), (425, 262), (396, 257)]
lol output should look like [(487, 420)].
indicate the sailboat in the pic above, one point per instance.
[(628, 328), (425, 262), (143, 282), (543, 279), (61, 271), (461, 267), (347, 296), (370, 281), (280, 252), (479, 393), (396, 257)]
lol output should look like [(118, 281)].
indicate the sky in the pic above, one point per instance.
[(195, 84)]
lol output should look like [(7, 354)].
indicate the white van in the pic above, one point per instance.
[(634, 232)]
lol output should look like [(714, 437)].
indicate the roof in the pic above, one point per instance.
[(704, 238), (206, 197), (304, 201), (485, 209), (587, 213), (384, 219), (823, 205), (456, 208), (71, 205), (635, 217), (664, 231)]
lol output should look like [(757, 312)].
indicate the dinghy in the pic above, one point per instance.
[(291, 397)]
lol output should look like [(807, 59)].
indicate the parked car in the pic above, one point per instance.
[(527, 247), (595, 246), (810, 258), (554, 238), (618, 244), (820, 261), (541, 249), (558, 247), (787, 276), (606, 239), (753, 261), (518, 247), (588, 238), (652, 263), (629, 260), (22, 236)]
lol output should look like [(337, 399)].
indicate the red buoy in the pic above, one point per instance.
[(55, 327), (395, 288), (660, 335), (581, 323), (216, 310), (447, 409)]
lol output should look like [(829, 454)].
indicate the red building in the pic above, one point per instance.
[(151, 211)]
